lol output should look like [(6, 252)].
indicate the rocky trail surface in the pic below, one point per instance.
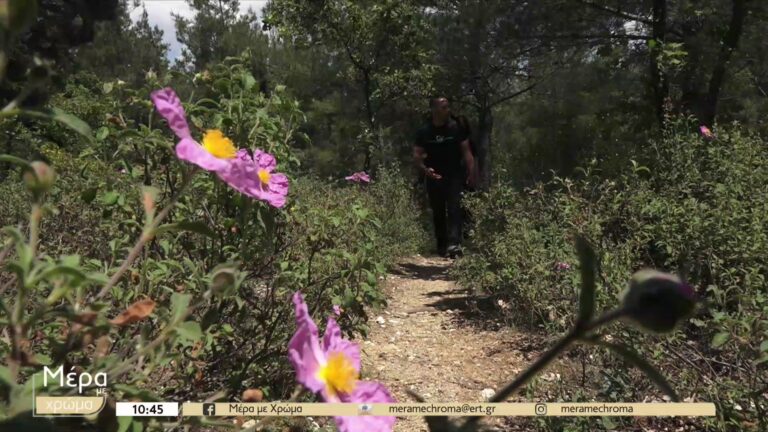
[(433, 340)]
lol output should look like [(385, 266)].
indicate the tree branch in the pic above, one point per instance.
[(513, 95), (616, 12), (592, 36)]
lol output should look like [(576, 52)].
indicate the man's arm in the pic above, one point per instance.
[(469, 161), (419, 155)]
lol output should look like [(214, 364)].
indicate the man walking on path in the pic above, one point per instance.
[(441, 146)]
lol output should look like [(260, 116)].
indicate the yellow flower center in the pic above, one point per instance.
[(215, 143), (264, 176), (338, 374)]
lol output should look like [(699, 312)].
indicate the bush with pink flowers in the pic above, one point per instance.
[(167, 246)]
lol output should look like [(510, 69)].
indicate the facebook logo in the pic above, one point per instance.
[(209, 409)]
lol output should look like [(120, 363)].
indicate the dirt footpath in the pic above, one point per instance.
[(422, 342)]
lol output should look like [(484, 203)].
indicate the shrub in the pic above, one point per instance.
[(202, 303), (699, 211)]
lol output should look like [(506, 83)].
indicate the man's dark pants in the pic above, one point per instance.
[(445, 201)]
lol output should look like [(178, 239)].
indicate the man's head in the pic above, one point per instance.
[(441, 108)]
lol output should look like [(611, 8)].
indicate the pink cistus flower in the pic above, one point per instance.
[(337, 310), (332, 368), (255, 177), (562, 266), (705, 132), (252, 176), (359, 177), (216, 153)]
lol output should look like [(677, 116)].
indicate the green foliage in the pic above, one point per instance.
[(699, 209), (121, 39), (216, 32), (127, 226), (380, 46)]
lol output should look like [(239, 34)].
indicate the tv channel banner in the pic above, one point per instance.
[(599, 409)]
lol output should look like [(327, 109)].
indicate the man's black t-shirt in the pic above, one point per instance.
[(443, 146)]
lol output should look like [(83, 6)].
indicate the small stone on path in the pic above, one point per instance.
[(487, 394)]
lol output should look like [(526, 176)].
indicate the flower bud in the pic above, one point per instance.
[(150, 76), (148, 199), (658, 301), (40, 178)]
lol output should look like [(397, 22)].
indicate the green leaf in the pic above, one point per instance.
[(15, 160), (208, 101), (193, 226), (43, 359), (5, 377), (123, 423), (72, 122), (131, 391), (110, 198), (98, 278), (102, 133), (61, 270), (634, 358), (14, 233), (720, 339), (189, 331), (70, 260), (89, 195), (587, 264), (764, 346), (608, 423), (197, 121), (248, 81), (137, 427), (23, 251), (107, 87), (36, 383), (179, 305)]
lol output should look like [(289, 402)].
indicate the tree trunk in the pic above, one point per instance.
[(483, 145), (729, 43), (658, 77), (368, 93)]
